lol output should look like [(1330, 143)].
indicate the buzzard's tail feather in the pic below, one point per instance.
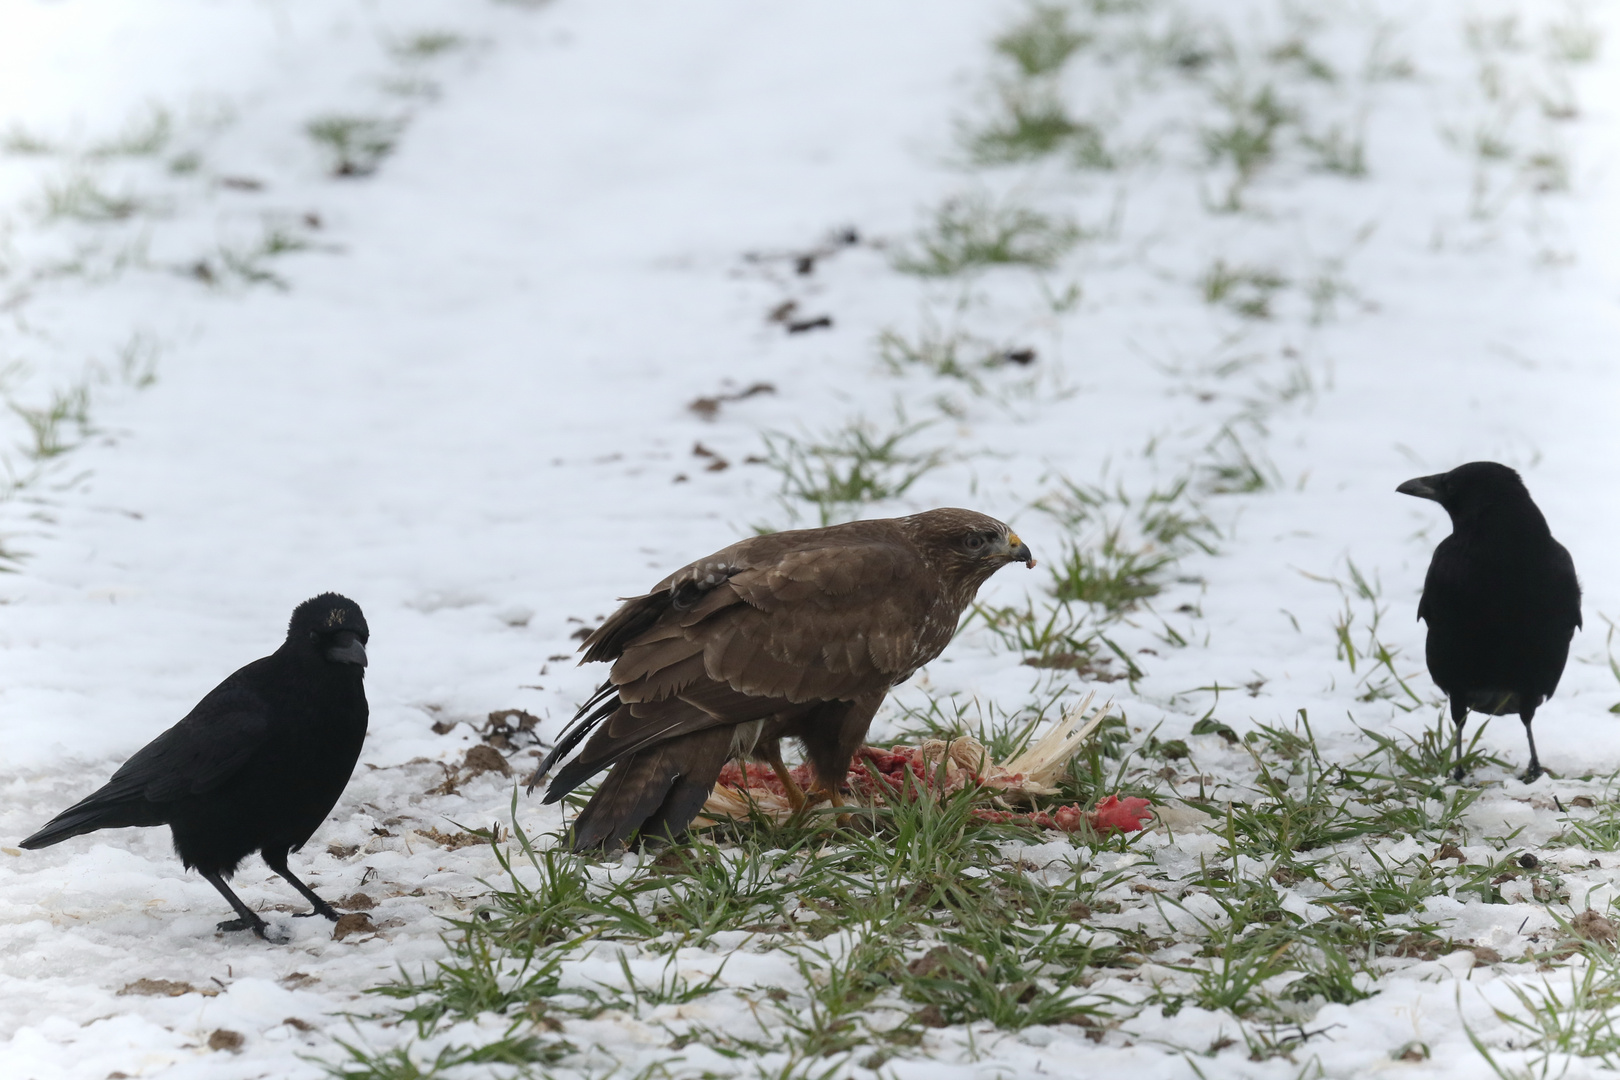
[(656, 792), (572, 737)]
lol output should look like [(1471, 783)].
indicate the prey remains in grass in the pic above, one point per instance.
[(939, 769)]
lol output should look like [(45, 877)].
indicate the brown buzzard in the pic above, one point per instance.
[(796, 634)]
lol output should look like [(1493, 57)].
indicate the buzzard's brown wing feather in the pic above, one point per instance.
[(782, 631), (656, 793), (803, 632)]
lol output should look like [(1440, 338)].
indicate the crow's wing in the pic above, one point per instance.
[(200, 753)]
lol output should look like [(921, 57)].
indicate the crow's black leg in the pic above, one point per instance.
[(278, 863), (1459, 716), (248, 920), (1534, 771)]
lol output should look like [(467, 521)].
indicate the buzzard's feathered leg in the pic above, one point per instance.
[(656, 792), (832, 734)]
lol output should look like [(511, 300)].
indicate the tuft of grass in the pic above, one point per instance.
[(947, 354), (1377, 677), (1245, 290), (840, 985), (1545, 171), (1056, 636), (848, 467), (57, 426), (356, 145), (427, 45), (1579, 1018), (81, 198), (250, 263), (1043, 42), (409, 1063), (1500, 33), (1340, 149), (24, 143), (1182, 45), (1169, 516), (1137, 539), (1246, 137), (138, 361), (943, 354), (145, 136), (1296, 53), (1112, 574), (1237, 969), (1573, 39), (973, 234), (1033, 123), (1233, 470), (997, 978), (1418, 764)]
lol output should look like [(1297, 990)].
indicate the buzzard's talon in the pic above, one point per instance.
[(795, 794), (835, 799)]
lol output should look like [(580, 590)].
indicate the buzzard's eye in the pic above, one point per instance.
[(974, 542)]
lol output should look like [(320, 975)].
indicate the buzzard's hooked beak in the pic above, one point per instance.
[(1424, 487), (1018, 551), (346, 648)]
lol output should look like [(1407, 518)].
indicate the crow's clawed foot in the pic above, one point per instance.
[(257, 925), (1531, 775), (323, 909)]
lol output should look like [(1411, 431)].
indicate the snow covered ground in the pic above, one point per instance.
[(456, 385)]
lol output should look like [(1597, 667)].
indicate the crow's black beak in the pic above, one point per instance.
[(1424, 487), (346, 648)]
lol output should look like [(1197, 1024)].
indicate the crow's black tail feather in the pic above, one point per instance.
[(92, 815)]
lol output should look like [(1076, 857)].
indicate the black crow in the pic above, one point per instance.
[(1501, 598), (255, 766)]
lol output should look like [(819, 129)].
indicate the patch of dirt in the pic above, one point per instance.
[(225, 1039), (709, 407), (1594, 927), (452, 841), (164, 988), (1419, 947)]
